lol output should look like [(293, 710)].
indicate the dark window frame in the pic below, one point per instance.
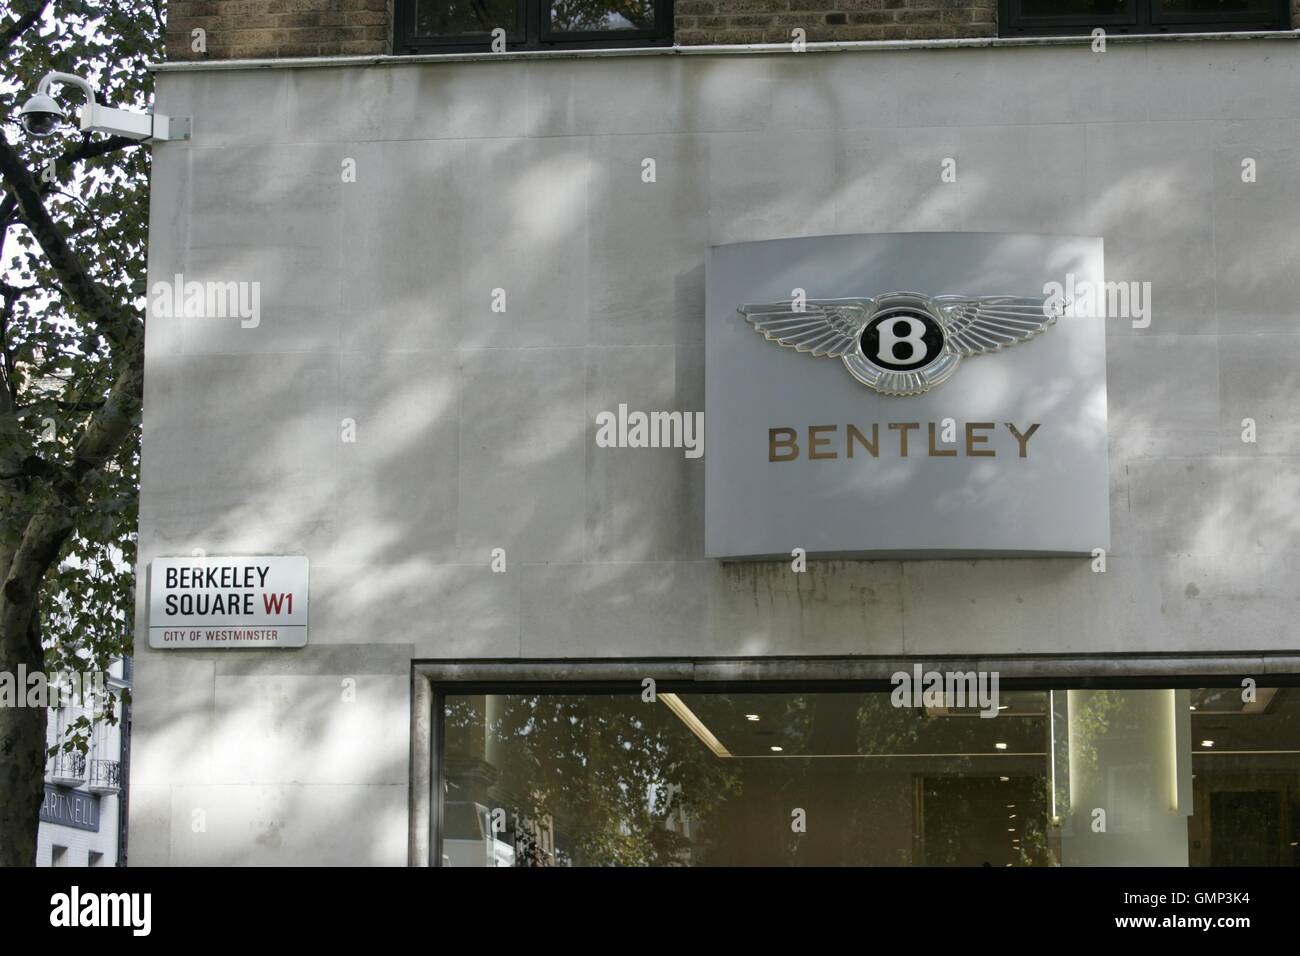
[(535, 15), (1140, 17)]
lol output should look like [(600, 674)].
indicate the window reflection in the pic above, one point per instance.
[(453, 18), (585, 15), (1214, 8), (1074, 8), (1079, 777), (456, 17)]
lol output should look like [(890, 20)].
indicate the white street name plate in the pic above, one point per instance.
[(258, 601)]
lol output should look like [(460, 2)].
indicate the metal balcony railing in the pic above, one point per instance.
[(68, 769), (105, 776)]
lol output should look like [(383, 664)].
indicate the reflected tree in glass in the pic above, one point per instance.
[(586, 15), (460, 17), (589, 781)]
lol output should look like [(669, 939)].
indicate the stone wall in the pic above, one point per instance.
[(474, 428)]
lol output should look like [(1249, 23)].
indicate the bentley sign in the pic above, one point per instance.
[(1007, 458)]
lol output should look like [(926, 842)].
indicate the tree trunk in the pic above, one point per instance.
[(22, 746)]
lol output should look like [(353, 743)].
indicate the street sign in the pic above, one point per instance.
[(258, 601)]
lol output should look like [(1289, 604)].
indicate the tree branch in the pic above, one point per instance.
[(49, 528), (9, 398), (91, 148), (122, 327), (87, 149), (78, 406), (34, 466), (21, 25)]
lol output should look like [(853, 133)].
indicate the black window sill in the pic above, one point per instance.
[(1148, 30), (1142, 18), (475, 45)]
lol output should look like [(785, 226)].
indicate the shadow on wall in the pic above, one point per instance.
[(473, 425), (386, 418)]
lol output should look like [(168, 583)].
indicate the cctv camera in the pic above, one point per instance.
[(41, 116)]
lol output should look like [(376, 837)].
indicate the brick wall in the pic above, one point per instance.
[(244, 29), (771, 21), (237, 29)]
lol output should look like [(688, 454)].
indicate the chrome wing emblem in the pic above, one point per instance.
[(903, 343)]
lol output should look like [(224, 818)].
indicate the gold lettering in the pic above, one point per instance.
[(872, 447), (935, 451), (901, 428), (1023, 439), (815, 441), (788, 442), (972, 439), (783, 443)]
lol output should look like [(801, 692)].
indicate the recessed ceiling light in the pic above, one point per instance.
[(1207, 743), (1193, 706), (1003, 707), (751, 716), (1011, 829), (1011, 816), (776, 749), (1004, 779), (1000, 746), (1011, 806)]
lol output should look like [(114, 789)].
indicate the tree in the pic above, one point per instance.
[(73, 226)]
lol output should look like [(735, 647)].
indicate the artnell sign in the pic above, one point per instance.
[(256, 601), (72, 808), (1007, 457)]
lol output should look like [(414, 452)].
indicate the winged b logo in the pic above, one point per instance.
[(903, 343)]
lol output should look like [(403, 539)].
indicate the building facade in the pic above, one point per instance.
[(454, 264), (83, 815)]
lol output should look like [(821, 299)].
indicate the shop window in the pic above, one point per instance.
[(736, 776), (443, 26), (1065, 17)]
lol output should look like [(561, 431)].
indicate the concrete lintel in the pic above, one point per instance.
[(1055, 668), (720, 49)]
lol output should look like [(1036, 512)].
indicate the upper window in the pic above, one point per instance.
[(1054, 17), (434, 26)]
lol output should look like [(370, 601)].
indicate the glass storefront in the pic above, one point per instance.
[(734, 776)]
